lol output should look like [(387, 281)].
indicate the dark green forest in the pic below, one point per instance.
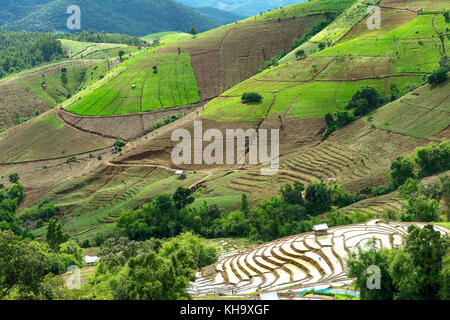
[(24, 50), (134, 17)]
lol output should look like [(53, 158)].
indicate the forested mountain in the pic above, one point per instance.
[(245, 8), (134, 17), (221, 17)]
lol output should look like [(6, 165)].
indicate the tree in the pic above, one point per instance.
[(182, 197), (251, 97), (318, 198), (121, 54), (445, 274), (416, 271), (321, 46), (193, 31), (118, 145), (293, 194), (200, 253), (116, 251), (244, 204), (23, 264), (154, 277), (14, 178), (438, 76), (401, 170), (55, 237), (417, 206), (433, 159), (364, 101), (364, 266), (300, 54)]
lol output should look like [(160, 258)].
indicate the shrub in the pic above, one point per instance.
[(364, 101), (251, 97), (438, 76)]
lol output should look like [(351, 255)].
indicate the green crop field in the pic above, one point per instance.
[(78, 76), (106, 198), (336, 30), (303, 9), (90, 50), (168, 37), (326, 80), (172, 85)]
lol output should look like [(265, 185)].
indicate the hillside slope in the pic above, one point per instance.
[(220, 59), (325, 80), (24, 96), (92, 191)]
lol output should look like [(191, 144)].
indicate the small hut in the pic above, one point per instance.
[(133, 86), (321, 229), (91, 261), (181, 174)]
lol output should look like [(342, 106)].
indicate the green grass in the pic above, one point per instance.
[(90, 50), (444, 224), (303, 9), (233, 109), (223, 202), (168, 37), (326, 80), (78, 76), (336, 30), (173, 85)]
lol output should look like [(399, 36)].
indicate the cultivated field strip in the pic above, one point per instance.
[(299, 260)]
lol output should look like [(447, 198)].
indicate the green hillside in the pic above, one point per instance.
[(171, 84), (24, 96), (205, 65), (325, 80)]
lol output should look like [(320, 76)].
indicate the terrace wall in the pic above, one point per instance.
[(127, 126)]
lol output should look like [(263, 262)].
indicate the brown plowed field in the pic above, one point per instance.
[(238, 51)]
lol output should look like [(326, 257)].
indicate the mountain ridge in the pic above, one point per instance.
[(134, 17)]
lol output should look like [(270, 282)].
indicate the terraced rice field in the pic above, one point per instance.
[(168, 37), (299, 261), (428, 112), (173, 85), (326, 80), (107, 192), (91, 50)]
